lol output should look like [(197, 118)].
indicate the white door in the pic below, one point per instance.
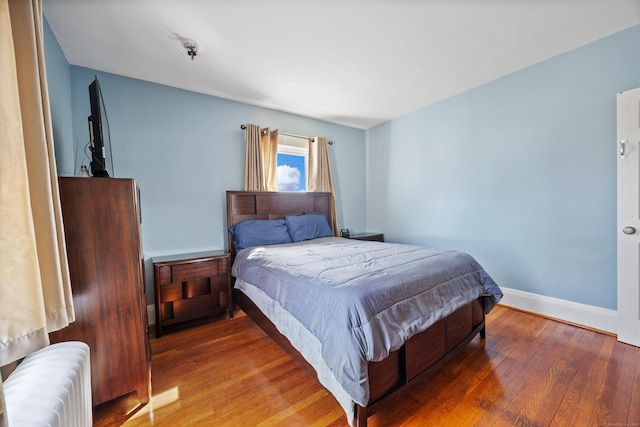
[(628, 231)]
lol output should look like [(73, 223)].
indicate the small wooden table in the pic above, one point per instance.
[(189, 286), (376, 237)]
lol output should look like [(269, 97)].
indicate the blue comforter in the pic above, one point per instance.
[(363, 299)]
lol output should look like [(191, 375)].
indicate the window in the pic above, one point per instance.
[(292, 163)]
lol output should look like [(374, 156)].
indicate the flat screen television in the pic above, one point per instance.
[(96, 139)]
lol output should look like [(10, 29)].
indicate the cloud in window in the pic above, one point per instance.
[(288, 178)]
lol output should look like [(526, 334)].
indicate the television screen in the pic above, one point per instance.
[(96, 140)]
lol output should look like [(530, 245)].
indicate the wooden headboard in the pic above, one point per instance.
[(245, 205)]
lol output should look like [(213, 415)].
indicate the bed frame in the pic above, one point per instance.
[(420, 355)]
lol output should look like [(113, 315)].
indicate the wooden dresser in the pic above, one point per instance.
[(190, 286), (102, 228)]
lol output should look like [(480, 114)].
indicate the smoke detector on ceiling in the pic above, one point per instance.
[(191, 47)]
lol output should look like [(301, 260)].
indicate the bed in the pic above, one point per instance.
[(360, 316)]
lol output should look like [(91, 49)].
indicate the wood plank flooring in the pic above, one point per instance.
[(530, 371)]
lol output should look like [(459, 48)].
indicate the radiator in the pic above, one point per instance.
[(51, 387)]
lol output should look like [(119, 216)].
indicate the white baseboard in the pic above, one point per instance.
[(589, 316)]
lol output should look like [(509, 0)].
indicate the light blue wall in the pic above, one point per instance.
[(59, 84), (520, 172), (185, 150)]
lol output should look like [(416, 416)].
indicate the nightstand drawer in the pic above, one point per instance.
[(210, 268), (170, 292), (196, 287), (184, 272), (192, 308)]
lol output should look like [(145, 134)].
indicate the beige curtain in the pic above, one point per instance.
[(320, 178), (35, 290), (269, 146), (3, 411), (260, 159)]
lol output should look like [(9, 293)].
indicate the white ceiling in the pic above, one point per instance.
[(352, 62)]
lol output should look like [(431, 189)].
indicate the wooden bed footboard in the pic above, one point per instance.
[(420, 356)]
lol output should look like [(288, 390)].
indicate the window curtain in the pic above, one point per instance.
[(260, 159), (3, 410), (35, 290), (320, 178)]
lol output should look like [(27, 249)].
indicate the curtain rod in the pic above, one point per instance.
[(243, 127)]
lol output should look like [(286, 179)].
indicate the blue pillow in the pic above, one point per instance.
[(259, 232), (307, 227)]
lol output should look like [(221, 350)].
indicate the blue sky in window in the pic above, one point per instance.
[(291, 174)]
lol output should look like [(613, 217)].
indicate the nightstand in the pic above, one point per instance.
[(190, 286), (376, 237)]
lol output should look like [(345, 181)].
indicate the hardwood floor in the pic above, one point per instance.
[(530, 371)]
